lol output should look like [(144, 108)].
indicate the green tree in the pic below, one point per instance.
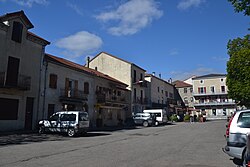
[(241, 6), (238, 69)]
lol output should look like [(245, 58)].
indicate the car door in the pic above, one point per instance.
[(54, 123), (137, 119)]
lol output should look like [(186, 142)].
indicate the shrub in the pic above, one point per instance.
[(174, 118), (187, 118)]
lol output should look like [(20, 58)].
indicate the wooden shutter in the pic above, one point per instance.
[(76, 89), (66, 86)]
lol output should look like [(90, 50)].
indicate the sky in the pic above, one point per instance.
[(174, 38)]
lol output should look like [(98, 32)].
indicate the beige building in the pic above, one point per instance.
[(160, 93), (211, 95), (126, 72), (21, 55), (70, 86)]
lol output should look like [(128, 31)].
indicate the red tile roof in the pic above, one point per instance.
[(82, 68), (181, 84)]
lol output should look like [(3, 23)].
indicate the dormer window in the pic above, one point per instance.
[(17, 32)]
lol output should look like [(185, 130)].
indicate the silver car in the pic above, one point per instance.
[(70, 122), (144, 119), (236, 135)]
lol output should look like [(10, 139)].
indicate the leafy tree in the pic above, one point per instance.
[(241, 6), (238, 69)]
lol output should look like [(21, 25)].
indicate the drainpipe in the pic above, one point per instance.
[(40, 78), (45, 86)]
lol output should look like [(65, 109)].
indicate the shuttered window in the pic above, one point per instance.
[(17, 32), (86, 87), (53, 81)]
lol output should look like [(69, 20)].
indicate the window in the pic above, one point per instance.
[(212, 89), (9, 109), (12, 71), (223, 89), (134, 76), (171, 95), (83, 117), (201, 81), (244, 120), (51, 109), (185, 90), (166, 93), (53, 81), (17, 32), (158, 88), (221, 79), (86, 88), (162, 91), (96, 68), (68, 117), (202, 90), (141, 78), (191, 90), (54, 117), (119, 93)]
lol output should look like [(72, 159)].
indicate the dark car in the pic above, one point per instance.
[(144, 119)]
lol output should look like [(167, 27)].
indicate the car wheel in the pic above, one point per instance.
[(41, 129), (145, 123), (71, 132)]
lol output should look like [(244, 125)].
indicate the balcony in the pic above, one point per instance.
[(22, 82), (210, 93), (72, 95), (215, 103), (141, 83), (105, 98), (139, 100)]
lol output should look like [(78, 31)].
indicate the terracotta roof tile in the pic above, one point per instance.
[(82, 68), (181, 84)]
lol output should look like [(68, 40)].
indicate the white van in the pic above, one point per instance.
[(161, 115), (70, 122)]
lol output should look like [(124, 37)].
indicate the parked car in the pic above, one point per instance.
[(161, 115), (144, 119), (70, 122), (236, 135)]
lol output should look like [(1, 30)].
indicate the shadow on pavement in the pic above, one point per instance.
[(14, 139)]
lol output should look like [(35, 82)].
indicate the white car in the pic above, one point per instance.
[(70, 122), (236, 135)]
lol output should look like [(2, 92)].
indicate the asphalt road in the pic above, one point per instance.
[(181, 144)]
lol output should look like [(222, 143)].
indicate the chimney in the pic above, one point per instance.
[(153, 73), (160, 75), (88, 60)]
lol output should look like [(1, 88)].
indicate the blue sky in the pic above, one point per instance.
[(177, 38)]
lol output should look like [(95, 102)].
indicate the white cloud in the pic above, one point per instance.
[(29, 3), (131, 17), (186, 4), (173, 52), (75, 8), (78, 44), (181, 75)]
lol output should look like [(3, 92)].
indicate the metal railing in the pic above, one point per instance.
[(73, 94), (23, 82)]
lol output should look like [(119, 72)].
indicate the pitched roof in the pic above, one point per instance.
[(38, 37), (210, 76), (118, 59), (19, 14), (181, 84), (79, 67), (150, 75)]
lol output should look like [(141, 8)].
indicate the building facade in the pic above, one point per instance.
[(70, 86), (126, 72), (160, 93), (211, 96), (21, 55)]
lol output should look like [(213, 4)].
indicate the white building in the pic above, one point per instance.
[(126, 72)]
